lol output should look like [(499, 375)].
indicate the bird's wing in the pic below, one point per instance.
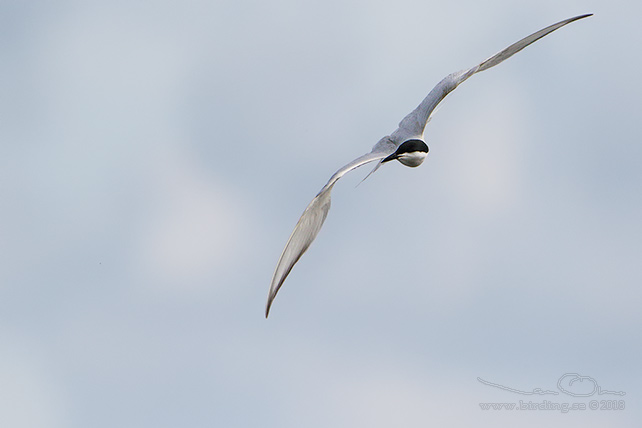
[(309, 225), (412, 126)]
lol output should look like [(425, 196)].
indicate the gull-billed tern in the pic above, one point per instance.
[(405, 145)]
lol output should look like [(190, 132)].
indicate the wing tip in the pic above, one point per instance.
[(267, 307), (575, 18), (271, 296)]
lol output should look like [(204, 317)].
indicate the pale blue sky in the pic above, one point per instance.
[(155, 156)]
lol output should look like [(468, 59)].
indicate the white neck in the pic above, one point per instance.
[(412, 159)]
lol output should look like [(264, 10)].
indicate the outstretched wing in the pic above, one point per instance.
[(412, 126), (309, 225)]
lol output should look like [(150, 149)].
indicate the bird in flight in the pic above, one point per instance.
[(405, 145)]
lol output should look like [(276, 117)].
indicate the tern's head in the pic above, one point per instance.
[(410, 153)]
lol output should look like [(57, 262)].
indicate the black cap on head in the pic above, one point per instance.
[(409, 146), (412, 146)]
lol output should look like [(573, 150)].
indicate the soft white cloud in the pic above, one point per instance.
[(196, 229), (31, 395), (485, 172)]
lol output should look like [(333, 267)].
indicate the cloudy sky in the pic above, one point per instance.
[(155, 156)]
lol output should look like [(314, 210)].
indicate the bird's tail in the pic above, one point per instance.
[(370, 173)]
